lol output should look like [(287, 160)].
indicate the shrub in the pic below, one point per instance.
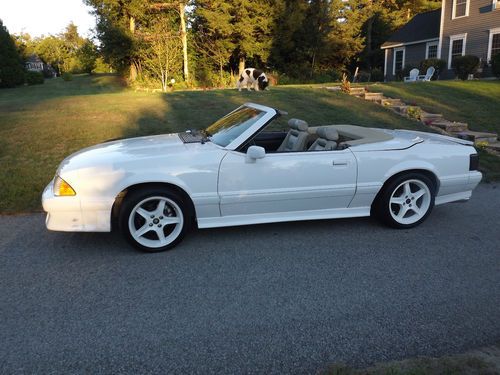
[(34, 78), (363, 77), (405, 72), (465, 65), (414, 112), (495, 65), (67, 76), (345, 87), (377, 75), (438, 64)]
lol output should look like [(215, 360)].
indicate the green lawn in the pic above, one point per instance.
[(40, 125), (474, 102)]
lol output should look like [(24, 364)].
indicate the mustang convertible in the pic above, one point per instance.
[(238, 172)]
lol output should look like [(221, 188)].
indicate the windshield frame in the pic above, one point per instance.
[(269, 114)]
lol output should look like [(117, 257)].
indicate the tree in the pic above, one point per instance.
[(87, 56), (213, 33), (161, 52), (313, 37), (11, 68), (252, 28), (116, 26), (52, 51)]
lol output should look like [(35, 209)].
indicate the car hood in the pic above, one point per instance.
[(123, 151)]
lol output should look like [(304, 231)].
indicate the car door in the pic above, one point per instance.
[(286, 182)]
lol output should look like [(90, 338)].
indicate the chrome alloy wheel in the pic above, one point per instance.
[(409, 202), (156, 222)]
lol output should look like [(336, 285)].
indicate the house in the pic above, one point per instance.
[(34, 64), (460, 27)]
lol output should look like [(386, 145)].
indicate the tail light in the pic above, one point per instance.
[(473, 162)]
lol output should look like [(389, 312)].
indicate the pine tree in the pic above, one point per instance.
[(117, 23), (11, 69)]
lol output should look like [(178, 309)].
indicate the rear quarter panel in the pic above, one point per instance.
[(447, 161)]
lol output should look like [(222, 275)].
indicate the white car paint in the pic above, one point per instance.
[(226, 189)]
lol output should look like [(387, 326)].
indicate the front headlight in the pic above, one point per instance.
[(62, 188)]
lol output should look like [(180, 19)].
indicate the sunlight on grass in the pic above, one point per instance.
[(474, 102)]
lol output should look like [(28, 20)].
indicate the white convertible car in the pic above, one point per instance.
[(154, 189)]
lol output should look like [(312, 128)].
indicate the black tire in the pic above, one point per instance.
[(133, 198), (383, 210)]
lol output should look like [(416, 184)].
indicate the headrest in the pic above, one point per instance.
[(297, 124), (327, 133)]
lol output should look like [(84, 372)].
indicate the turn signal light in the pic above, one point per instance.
[(62, 188)]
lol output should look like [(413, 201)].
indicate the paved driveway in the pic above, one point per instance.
[(281, 298)]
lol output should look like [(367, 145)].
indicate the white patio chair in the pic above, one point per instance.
[(413, 75), (428, 76)]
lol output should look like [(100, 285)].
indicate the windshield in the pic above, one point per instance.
[(231, 126)]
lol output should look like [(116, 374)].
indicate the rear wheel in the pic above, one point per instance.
[(406, 201), (154, 220)]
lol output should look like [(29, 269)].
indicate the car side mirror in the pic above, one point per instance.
[(254, 153)]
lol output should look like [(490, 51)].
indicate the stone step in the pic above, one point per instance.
[(333, 88), (478, 137), (495, 146), (450, 127), (429, 118), (401, 109), (374, 96), (391, 102), (357, 91)]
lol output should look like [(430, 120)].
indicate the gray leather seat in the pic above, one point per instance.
[(327, 139), (296, 138)]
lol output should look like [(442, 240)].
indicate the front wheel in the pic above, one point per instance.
[(154, 220), (406, 201)]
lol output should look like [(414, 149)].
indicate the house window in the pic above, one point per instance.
[(431, 50), (460, 8), (457, 47), (399, 60), (494, 43)]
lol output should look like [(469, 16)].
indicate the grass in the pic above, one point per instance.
[(41, 125), (474, 102), (478, 362)]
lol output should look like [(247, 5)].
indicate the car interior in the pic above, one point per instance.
[(301, 138)]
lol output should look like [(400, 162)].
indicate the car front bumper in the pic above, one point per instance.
[(70, 214)]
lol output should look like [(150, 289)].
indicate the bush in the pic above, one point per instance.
[(438, 64), (495, 65), (34, 78), (377, 75), (465, 65), (363, 77), (405, 72), (67, 76)]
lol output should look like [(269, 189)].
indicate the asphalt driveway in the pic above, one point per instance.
[(281, 298)]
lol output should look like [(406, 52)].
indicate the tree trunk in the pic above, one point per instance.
[(241, 65), (133, 68), (221, 72), (182, 7), (369, 32)]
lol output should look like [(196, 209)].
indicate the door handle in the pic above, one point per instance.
[(339, 162)]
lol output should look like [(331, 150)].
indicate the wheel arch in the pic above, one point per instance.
[(426, 172), (120, 197)]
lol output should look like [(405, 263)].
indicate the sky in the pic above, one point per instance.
[(38, 17)]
